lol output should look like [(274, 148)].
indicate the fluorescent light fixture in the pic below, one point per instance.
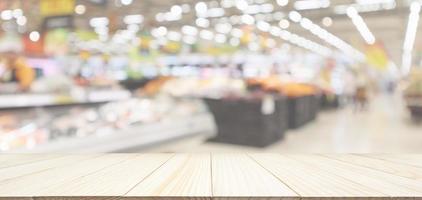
[(98, 21), (284, 23), (247, 19), (366, 6), (201, 7), (174, 36), (133, 19), (189, 30), (263, 26), (202, 22), (220, 38), (409, 39), (206, 35), (361, 25), (368, 2), (311, 4), (331, 39), (282, 2), (223, 28), (295, 16)]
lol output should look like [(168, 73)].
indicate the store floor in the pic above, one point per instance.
[(384, 128)]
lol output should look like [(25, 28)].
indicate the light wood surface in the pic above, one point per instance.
[(209, 176)]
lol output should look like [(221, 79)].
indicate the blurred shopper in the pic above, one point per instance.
[(361, 97)]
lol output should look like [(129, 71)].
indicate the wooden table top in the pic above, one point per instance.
[(209, 176)]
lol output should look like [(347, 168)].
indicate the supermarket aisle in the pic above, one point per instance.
[(384, 128)]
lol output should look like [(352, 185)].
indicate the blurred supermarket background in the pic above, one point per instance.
[(297, 76)]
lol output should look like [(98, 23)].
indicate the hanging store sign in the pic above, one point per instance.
[(56, 7)]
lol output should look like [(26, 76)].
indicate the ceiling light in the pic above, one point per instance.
[(409, 40), (275, 31), (332, 39), (159, 32), (311, 4), (266, 8), (215, 12), (126, 2), (223, 28), (174, 36), (6, 15), (361, 25), (295, 16), (21, 21), (242, 5), (247, 19), (220, 38), (327, 21), (177, 10), (284, 24), (282, 2), (278, 16), (34, 36), (263, 26), (188, 39), (237, 33), (17, 13), (80, 9), (98, 21), (189, 30), (202, 22), (133, 19), (206, 35), (201, 7)]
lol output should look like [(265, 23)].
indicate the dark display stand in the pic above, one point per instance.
[(330, 101), (242, 121), (302, 110)]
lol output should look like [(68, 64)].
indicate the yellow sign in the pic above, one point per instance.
[(376, 56), (56, 7)]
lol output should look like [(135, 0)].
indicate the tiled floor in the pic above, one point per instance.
[(384, 128)]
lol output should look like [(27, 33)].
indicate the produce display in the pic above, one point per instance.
[(413, 94)]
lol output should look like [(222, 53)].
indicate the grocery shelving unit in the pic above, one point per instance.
[(11, 101), (135, 136)]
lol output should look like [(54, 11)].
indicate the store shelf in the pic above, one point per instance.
[(138, 136), (39, 100), (210, 176)]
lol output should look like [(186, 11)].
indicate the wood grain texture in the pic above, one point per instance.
[(42, 165), (11, 160), (310, 181), (239, 176), (398, 169), (184, 175), (36, 184), (210, 176), (115, 180), (385, 183)]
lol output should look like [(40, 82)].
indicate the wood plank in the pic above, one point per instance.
[(391, 185), (33, 167), (408, 159), (11, 160), (36, 184), (311, 181), (237, 175), (184, 175), (115, 180), (398, 169)]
